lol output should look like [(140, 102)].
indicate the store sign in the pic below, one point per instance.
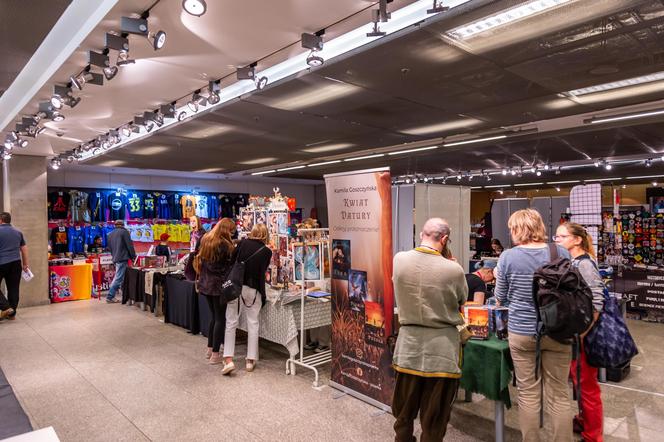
[(644, 291), (360, 219)]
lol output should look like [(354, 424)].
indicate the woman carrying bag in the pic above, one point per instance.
[(589, 422), (256, 257)]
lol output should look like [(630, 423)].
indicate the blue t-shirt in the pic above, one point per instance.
[(11, 240), (97, 203), (149, 206), (163, 207), (213, 207), (135, 204), (76, 239), (91, 232)]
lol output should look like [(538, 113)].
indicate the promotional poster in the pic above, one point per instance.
[(70, 283), (360, 219)]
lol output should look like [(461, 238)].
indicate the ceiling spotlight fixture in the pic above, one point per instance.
[(168, 110), (504, 172), (538, 172), (126, 130), (500, 191), (149, 125), (654, 183), (158, 39), (558, 170), (86, 77), (313, 42), (193, 103), (597, 163), (533, 169), (314, 60), (648, 162), (547, 166), (56, 163), (459, 176), (182, 115), (110, 72), (608, 166), (123, 59), (131, 25), (246, 73), (557, 189), (261, 83), (57, 102), (437, 7), (61, 95), (513, 172), (194, 7), (379, 15), (6, 155), (214, 89), (70, 159)]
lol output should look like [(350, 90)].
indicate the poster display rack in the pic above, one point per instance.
[(312, 239)]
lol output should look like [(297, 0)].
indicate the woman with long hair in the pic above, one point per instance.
[(514, 289), (197, 232), (579, 243), (256, 256), (213, 262)]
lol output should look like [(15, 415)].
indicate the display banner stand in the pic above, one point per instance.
[(312, 361), (360, 218)]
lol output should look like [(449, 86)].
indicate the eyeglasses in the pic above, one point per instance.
[(557, 237)]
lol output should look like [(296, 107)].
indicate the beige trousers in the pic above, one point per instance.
[(556, 358)]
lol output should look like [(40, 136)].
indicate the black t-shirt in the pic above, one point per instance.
[(475, 284)]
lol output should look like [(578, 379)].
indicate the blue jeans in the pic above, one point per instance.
[(120, 269)]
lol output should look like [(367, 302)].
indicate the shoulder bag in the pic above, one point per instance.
[(231, 289)]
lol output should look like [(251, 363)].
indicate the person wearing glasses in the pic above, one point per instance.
[(590, 421), (514, 289)]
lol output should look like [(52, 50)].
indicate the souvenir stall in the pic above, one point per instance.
[(69, 280)]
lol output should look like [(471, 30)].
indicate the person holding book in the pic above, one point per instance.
[(429, 291)]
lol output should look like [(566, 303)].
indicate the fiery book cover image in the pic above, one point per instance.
[(374, 324), (477, 320)]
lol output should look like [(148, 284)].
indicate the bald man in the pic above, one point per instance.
[(429, 290)]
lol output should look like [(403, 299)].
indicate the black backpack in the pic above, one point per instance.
[(563, 300)]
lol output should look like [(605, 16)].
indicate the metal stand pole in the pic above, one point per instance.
[(500, 421)]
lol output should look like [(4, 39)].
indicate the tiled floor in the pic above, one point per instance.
[(111, 372)]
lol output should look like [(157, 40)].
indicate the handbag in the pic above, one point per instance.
[(609, 343), (231, 289)]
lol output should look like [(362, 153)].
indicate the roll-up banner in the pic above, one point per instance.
[(360, 218)]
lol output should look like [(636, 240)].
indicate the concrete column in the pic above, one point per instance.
[(24, 191)]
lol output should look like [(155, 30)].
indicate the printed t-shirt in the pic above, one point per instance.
[(174, 232), (163, 207), (149, 206), (158, 230), (117, 204), (79, 206), (188, 203), (97, 203), (76, 239), (147, 233), (184, 232), (59, 205), (213, 207), (227, 206), (91, 232), (202, 206), (135, 204), (175, 206), (59, 240)]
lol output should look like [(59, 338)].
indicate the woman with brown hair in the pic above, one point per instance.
[(514, 289), (213, 262), (256, 256), (589, 422), (197, 232)]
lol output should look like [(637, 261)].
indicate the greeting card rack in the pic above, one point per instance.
[(310, 237)]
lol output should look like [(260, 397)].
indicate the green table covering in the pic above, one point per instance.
[(487, 369)]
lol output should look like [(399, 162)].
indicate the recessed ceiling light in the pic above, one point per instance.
[(657, 76), (258, 161), (328, 147), (441, 127), (194, 7)]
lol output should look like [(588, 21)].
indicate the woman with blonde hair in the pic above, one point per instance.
[(197, 232), (256, 256), (514, 289), (212, 263), (579, 243)]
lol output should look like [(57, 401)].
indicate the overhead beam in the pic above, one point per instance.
[(78, 20)]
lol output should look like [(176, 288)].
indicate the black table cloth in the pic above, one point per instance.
[(13, 420), (131, 289), (181, 303)]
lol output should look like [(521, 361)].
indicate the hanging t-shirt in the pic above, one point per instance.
[(59, 205), (175, 206), (147, 233), (184, 232), (163, 207), (213, 207), (158, 230), (149, 206), (59, 240), (135, 204), (76, 239), (117, 204), (97, 203), (79, 206), (202, 206), (91, 232), (188, 203), (227, 206), (174, 231), (107, 230), (239, 202)]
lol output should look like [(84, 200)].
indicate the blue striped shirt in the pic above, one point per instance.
[(514, 285)]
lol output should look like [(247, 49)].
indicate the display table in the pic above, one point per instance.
[(181, 303), (487, 370), (70, 282), (132, 290)]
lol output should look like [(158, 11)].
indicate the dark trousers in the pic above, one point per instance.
[(431, 397), (11, 273), (217, 328)]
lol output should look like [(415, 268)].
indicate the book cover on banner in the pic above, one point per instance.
[(360, 219)]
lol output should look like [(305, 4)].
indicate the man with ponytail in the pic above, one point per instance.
[(579, 243)]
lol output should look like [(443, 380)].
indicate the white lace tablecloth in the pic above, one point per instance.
[(280, 323)]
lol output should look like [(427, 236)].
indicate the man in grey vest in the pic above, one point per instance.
[(429, 290), (13, 261), (122, 248)]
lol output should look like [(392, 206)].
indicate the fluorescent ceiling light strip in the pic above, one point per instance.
[(627, 117), (365, 157), (657, 76), (290, 168), (476, 187), (604, 179), (644, 176), (496, 186), (264, 172), (505, 17), (402, 18), (528, 184), (412, 150), (324, 163), (563, 182), (477, 140)]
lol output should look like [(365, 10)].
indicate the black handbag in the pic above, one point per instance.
[(231, 289)]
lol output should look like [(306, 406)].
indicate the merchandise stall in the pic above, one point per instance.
[(69, 281)]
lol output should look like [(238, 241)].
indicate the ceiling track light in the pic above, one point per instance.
[(123, 59), (131, 25), (194, 7), (313, 42), (648, 162), (158, 39), (261, 82), (193, 103), (63, 95), (55, 163), (608, 166), (437, 7), (214, 89), (86, 77), (375, 18), (47, 109), (168, 110)]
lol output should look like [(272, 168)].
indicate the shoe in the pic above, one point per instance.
[(112, 301), (208, 353), (311, 346), (215, 360), (321, 348), (6, 313), (228, 368), (577, 425), (250, 366)]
